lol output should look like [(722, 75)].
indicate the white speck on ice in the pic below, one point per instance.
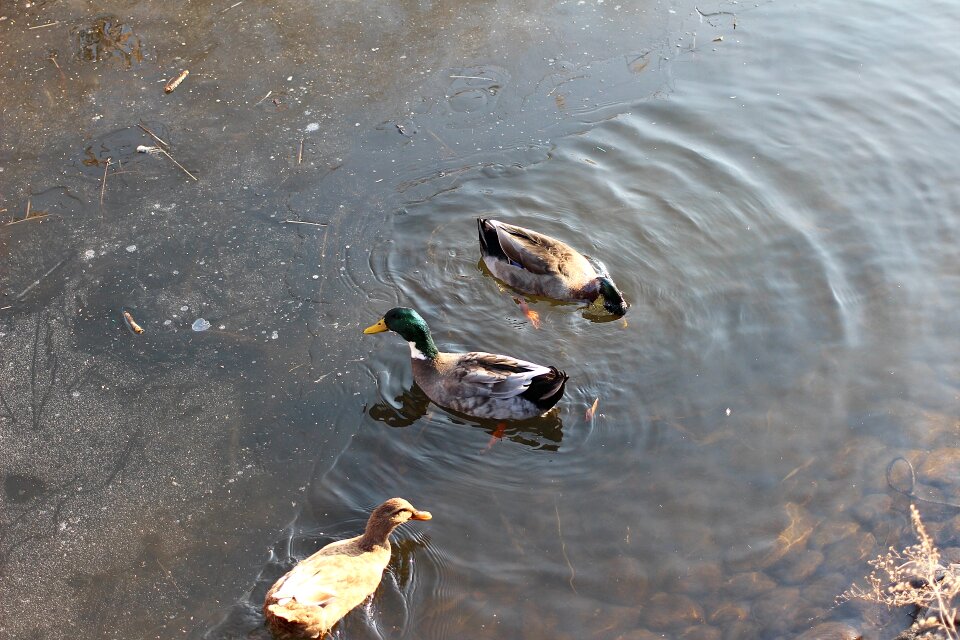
[(313, 126), (274, 335), (89, 254), (184, 308), (200, 325), (131, 248)]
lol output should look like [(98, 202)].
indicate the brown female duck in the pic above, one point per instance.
[(318, 592)]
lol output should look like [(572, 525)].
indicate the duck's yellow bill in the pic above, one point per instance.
[(380, 327), (421, 515)]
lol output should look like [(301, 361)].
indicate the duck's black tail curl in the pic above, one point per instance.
[(489, 241), (546, 389)]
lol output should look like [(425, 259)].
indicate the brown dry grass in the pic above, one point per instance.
[(915, 577)]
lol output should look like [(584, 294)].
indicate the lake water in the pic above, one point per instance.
[(772, 185)]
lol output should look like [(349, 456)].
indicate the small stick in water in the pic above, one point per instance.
[(103, 183), (563, 546), (175, 82), (145, 149), (31, 218), (300, 152), (314, 224), (153, 135), (178, 164), (39, 280)]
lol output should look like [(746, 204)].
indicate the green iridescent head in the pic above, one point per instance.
[(410, 326), (612, 298)]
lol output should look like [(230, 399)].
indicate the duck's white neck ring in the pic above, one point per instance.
[(415, 353)]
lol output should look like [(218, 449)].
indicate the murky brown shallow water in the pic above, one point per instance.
[(772, 185)]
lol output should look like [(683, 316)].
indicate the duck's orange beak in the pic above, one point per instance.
[(421, 515), (379, 327)]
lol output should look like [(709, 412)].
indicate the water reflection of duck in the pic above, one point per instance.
[(318, 592), (544, 433), (478, 384), (539, 265)]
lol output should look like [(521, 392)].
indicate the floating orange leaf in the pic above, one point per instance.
[(496, 435), (532, 315), (592, 410)]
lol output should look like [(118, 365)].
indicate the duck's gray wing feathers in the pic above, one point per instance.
[(496, 376), (533, 251)]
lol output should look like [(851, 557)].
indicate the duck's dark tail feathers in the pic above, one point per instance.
[(489, 241), (546, 389)]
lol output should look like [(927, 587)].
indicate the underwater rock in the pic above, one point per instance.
[(627, 580), (831, 631), (750, 584), (872, 508), (639, 634), (728, 612), (701, 632), (742, 630), (801, 566), (851, 551), (700, 578), (779, 610), (831, 532), (941, 468), (825, 589), (670, 610)]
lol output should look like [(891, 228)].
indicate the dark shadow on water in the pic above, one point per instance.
[(544, 433)]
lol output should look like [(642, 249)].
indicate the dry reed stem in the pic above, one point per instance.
[(164, 152), (153, 135), (39, 280), (563, 546), (915, 577), (40, 217), (103, 183), (313, 224)]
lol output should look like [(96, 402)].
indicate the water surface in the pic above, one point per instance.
[(771, 185)]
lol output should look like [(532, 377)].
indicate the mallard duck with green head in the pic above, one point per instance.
[(482, 385), (539, 265)]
